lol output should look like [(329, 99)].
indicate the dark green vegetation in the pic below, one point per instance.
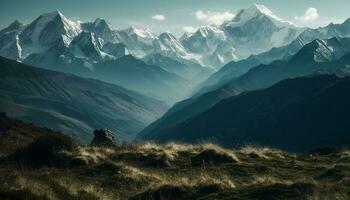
[(73, 104), (296, 115), (320, 55), (37, 163)]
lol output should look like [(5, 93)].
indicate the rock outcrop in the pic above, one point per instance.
[(103, 138)]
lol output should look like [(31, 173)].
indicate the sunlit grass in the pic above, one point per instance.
[(142, 169)]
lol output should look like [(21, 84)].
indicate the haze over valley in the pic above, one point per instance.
[(237, 104)]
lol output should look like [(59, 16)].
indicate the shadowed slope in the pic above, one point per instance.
[(73, 104)]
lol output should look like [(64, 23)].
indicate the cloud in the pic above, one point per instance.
[(158, 17), (189, 29), (216, 18), (310, 15)]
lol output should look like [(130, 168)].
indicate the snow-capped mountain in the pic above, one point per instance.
[(327, 55), (102, 29), (143, 43), (53, 40), (139, 41), (54, 30), (235, 69), (204, 40), (256, 29), (168, 45), (205, 43), (87, 46), (95, 50), (46, 31), (253, 30), (117, 50)]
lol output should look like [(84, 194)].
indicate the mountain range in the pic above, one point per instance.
[(55, 42), (235, 69), (129, 77), (253, 108), (253, 30), (73, 104), (296, 114), (332, 54), (210, 46)]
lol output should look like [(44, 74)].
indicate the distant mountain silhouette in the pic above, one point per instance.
[(295, 114), (332, 54)]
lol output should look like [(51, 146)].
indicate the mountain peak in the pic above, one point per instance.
[(260, 8), (206, 31), (171, 43), (87, 45), (256, 10), (101, 22), (86, 38), (167, 34), (347, 22), (52, 15), (15, 25), (141, 32), (44, 32), (185, 36)]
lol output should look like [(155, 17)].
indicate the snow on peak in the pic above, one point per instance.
[(87, 45), (169, 42), (52, 15), (139, 41), (44, 32), (141, 32), (102, 30), (208, 31), (256, 10), (264, 10), (71, 28)]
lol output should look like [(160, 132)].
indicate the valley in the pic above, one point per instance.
[(172, 171), (174, 100)]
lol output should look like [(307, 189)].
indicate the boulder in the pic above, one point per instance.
[(103, 138)]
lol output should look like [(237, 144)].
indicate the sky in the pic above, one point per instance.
[(175, 16)]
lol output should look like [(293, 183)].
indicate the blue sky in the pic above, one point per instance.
[(173, 15)]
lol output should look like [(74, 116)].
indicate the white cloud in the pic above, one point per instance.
[(216, 18), (310, 15), (189, 29), (158, 17), (200, 15)]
